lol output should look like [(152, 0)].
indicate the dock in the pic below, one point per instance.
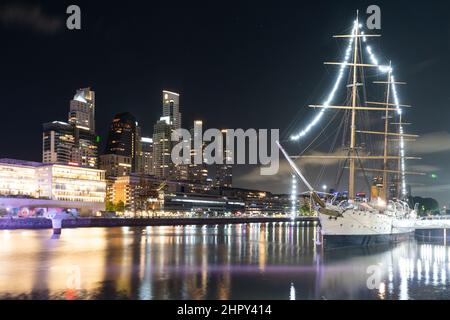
[(43, 223)]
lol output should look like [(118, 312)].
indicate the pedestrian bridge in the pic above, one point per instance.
[(27, 204)]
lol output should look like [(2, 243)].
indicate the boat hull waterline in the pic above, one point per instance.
[(361, 228)]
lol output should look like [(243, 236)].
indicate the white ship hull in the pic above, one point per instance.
[(363, 228)]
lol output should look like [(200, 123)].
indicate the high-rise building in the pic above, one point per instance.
[(86, 151), (197, 172), (181, 172), (75, 141), (162, 148), (124, 138), (171, 108), (82, 116), (65, 143), (146, 161), (138, 149), (82, 109), (162, 144), (224, 176), (58, 142), (224, 172)]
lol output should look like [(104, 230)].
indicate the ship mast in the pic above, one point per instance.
[(399, 162), (386, 131), (401, 137), (399, 171), (351, 187)]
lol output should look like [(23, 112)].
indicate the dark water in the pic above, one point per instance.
[(257, 261)]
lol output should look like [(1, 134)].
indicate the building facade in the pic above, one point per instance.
[(162, 148), (197, 172), (124, 138), (136, 192), (71, 183), (224, 172), (202, 204), (58, 142), (147, 166), (62, 185), (162, 144), (18, 178), (171, 108), (115, 165), (224, 176), (262, 202), (82, 110), (65, 143), (86, 148)]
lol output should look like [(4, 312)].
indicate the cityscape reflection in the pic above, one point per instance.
[(248, 261)]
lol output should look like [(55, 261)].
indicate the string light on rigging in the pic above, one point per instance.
[(402, 141), (333, 91), (381, 68)]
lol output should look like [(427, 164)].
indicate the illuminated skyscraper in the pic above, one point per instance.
[(171, 108), (75, 141), (146, 162), (162, 144), (115, 165), (224, 172), (82, 110), (197, 173), (162, 148), (124, 138), (58, 143), (82, 117), (86, 151)]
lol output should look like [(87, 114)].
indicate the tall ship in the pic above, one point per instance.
[(384, 215)]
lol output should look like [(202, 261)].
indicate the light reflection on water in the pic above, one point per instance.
[(250, 261)]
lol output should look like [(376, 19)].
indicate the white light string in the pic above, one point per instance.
[(402, 141), (333, 91)]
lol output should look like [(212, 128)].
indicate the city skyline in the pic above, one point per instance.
[(204, 153), (241, 65)]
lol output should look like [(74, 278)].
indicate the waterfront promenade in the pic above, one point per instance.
[(42, 223)]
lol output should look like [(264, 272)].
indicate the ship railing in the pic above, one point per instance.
[(446, 217)]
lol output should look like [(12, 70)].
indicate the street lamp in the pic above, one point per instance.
[(324, 187)]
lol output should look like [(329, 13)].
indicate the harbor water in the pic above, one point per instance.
[(275, 260)]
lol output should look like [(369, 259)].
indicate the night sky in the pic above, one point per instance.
[(237, 64)]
